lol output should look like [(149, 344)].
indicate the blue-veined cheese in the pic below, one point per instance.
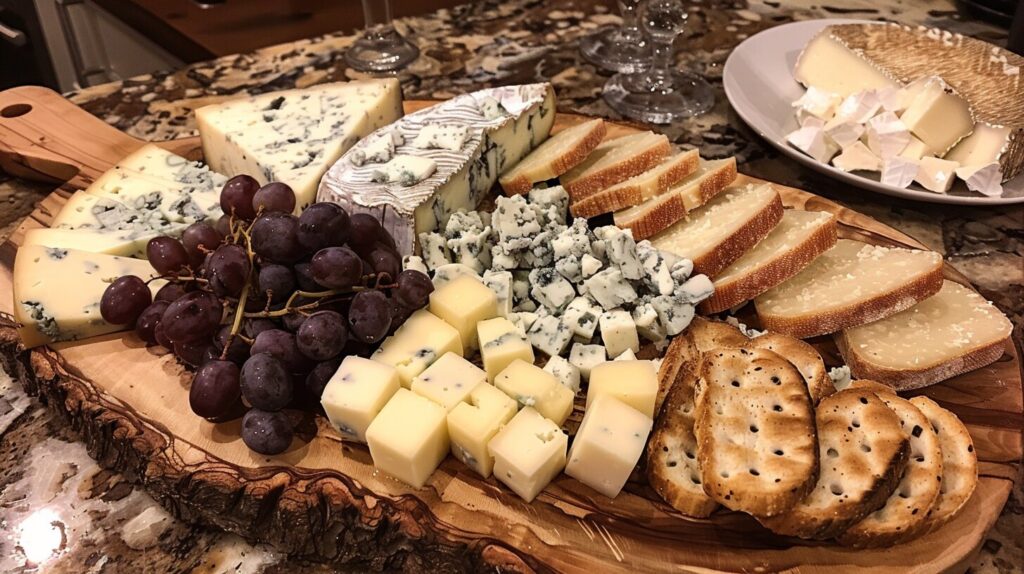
[(494, 143), (57, 292), (293, 136), (87, 211), (157, 162), (404, 170), (177, 201), (128, 242)]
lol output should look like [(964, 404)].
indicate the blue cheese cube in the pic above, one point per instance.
[(553, 200), (501, 283), (551, 289), (657, 269), (472, 248), (589, 265), (696, 289), (586, 357), (618, 332), (451, 271), (450, 137), (581, 316), (522, 319), (610, 288), (565, 372), (404, 170), (549, 335), (434, 250), (570, 268), (414, 263), (620, 248), (648, 324), (503, 258), (502, 342), (674, 313), (681, 271), (515, 223)]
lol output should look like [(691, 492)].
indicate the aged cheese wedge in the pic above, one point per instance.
[(293, 136), (128, 242), (659, 212), (640, 188), (155, 161), (952, 332), (798, 239), (938, 117), (560, 153), (177, 201), (86, 211), (828, 65), (614, 161), (717, 234), (851, 284), (57, 292)]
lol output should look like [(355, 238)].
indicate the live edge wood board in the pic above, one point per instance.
[(323, 499)]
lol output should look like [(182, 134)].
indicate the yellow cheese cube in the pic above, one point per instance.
[(528, 453), (471, 425), (356, 393), (409, 437), (420, 341), (632, 382), (502, 342), (462, 303), (608, 445), (449, 381), (534, 387)]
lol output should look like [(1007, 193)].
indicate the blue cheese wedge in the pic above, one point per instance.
[(581, 316), (404, 170)]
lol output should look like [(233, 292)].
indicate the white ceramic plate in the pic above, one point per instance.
[(759, 83)]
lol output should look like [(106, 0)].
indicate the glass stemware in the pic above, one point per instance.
[(381, 48), (661, 94), (622, 49)]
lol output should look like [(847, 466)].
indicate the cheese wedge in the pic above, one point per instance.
[(851, 284), (829, 65), (798, 239), (57, 292), (953, 332), (615, 161), (717, 234), (177, 201), (560, 153), (659, 212), (86, 211), (638, 189), (128, 242)]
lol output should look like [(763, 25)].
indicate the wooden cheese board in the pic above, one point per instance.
[(323, 499)]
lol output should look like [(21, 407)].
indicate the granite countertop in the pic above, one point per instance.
[(61, 513)]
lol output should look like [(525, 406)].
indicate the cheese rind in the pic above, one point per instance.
[(472, 424), (632, 382), (421, 340), (528, 453), (409, 437), (608, 445), (356, 393)]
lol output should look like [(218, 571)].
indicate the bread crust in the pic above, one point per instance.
[(585, 185), (621, 196), (734, 246), (746, 287), (517, 183)]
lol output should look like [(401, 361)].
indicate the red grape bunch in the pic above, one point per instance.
[(265, 304)]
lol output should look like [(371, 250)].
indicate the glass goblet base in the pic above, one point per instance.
[(659, 98), (381, 50), (615, 51)]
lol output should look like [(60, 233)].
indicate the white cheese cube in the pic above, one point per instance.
[(420, 341), (472, 424), (356, 393), (409, 437), (916, 149), (448, 272), (528, 453), (627, 355), (449, 381), (608, 445), (565, 372), (610, 288), (935, 174), (586, 357), (632, 382), (502, 342), (985, 179), (938, 117), (618, 331), (817, 103), (859, 107), (899, 171), (857, 157), (463, 303), (434, 250), (812, 141), (887, 135), (531, 386), (844, 133), (648, 325), (549, 335), (581, 316), (501, 283)]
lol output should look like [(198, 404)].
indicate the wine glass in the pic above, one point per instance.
[(621, 49), (381, 48), (660, 94)]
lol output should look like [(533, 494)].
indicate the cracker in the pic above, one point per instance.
[(863, 454), (959, 463), (755, 429)]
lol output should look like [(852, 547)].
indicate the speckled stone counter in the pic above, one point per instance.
[(59, 512)]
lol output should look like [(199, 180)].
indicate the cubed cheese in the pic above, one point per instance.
[(448, 381), (502, 342), (434, 250), (586, 357), (648, 325), (627, 355), (549, 335), (632, 382), (472, 424), (618, 331), (420, 341), (608, 445), (565, 372), (501, 283), (610, 288), (528, 453), (409, 437), (356, 394), (462, 303), (449, 272), (581, 316), (551, 289), (531, 386)]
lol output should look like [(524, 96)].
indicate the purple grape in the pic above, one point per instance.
[(280, 344), (274, 197), (293, 321), (167, 255), (192, 317), (304, 276), (369, 316), (414, 289), (275, 237), (252, 327), (228, 269), (364, 231), (236, 197), (238, 350), (399, 314), (199, 239), (170, 292), (192, 353), (266, 383), (267, 432), (386, 262), (223, 225), (322, 335), (146, 324), (337, 268), (277, 279), (161, 337), (321, 374), (215, 389), (323, 225), (124, 300)]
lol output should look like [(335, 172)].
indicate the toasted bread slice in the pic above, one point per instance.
[(638, 189), (672, 466), (851, 284), (863, 453), (717, 234), (953, 332), (557, 155), (614, 161), (658, 213), (756, 440), (799, 238), (959, 463), (907, 507)]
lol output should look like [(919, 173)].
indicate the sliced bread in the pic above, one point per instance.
[(863, 453), (614, 161), (557, 155), (638, 189), (717, 234), (907, 507), (953, 332), (755, 430), (799, 238), (959, 463), (851, 284), (672, 466), (659, 212)]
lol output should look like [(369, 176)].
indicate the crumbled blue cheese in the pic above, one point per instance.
[(501, 283), (472, 248), (620, 248), (648, 324), (502, 258), (447, 273), (414, 263), (550, 289), (586, 357), (522, 319), (673, 312), (657, 269), (441, 136), (552, 201), (434, 250), (696, 289), (521, 291), (841, 377), (405, 170), (515, 223), (589, 265), (565, 372), (541, 253), (491, 108), (550, 335), (610, 289), (379, 149), (581, 315), (748, 331), (681, 271)]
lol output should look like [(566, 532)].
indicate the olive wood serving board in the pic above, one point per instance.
[(323, 499)]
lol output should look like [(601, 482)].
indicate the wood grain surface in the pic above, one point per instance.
[(323, 499)]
